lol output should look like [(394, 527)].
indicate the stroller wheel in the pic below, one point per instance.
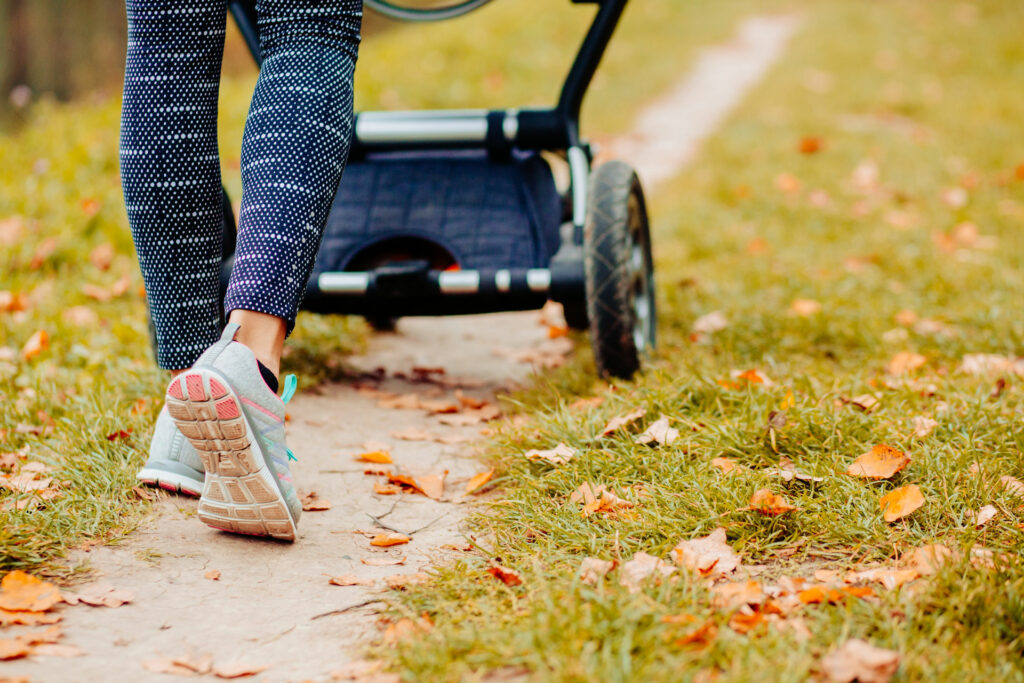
[(229, 238), (382, 324), (576, 315), (619, 271)]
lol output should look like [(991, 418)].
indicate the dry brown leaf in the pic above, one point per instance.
[(469, 418), (468, 401), (787, 469), (23, 618), (905, 362), (699, 638), (386, 540), (402, 581), (769, 504), (585, 403), (54, 650), (745, 623), (23, 592), (901, 502), (865, 402), (312, 502), (13, 649), (643, 568), (1012, 485), (881, 462), (559, 455), (617, 423), (985, 515), (383, 561), (990, 364), (12, 303), (386, 489), (380, 457), (707, 556), (100, 596), (440, 406), (592, 570), (598, 499), (479, 480), (659, 432), (212, 575), (733, 595), (351, 580), (401, 402), (923, 426), (432, 485), (928, 559), (710, 323), (509, 577), (887, 576), (102, 256), (858, 660), (237, 669), (36, 344), (727, 465)]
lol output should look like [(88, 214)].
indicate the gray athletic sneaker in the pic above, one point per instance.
[(173, 462), (236, 423)]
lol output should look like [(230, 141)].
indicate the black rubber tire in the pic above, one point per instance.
[(620, 291), (229, 238), (382, 324)]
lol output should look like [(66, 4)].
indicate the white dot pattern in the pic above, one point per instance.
[(294, 149)]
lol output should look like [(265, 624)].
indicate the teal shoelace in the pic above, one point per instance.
[(291, 383)]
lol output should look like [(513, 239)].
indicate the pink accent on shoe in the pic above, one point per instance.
[(226, 409), (218, 390), (261, 409), (195, 387), (175, 390), (168, 487)]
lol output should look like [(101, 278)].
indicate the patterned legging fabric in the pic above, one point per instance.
[(294, 149)]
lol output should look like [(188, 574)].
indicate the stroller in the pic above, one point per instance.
[(458, 212)]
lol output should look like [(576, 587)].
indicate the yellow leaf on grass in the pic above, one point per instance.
[(389, 539), (21, 591), (509, 577), (479, 480), (769, 504), (381, 457), (905, 362), (858, 660), (901, 502), (881, 462), (559, 455), (36, 344), (707, 556), (1012, 485), (617, 423), (726, 465)]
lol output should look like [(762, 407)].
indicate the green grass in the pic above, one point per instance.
[(60, 179), (930, 94)]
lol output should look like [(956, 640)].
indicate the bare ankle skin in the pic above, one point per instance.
[(263, 334)]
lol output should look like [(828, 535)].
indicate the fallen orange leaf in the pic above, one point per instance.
[(36, 344), (509, 577), (386, 489), (901, 502), (905, 362), (312, 502), (707, 556), (769, 504), (212, 575), (479, 480), (700, 637), (881, 462), (617, 423), (350, 580), (726, 465), (559, 455), (858, 660), (389, 539), (381, 457), (21, 591)]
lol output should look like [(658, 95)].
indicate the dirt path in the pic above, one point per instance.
[(272, 604)]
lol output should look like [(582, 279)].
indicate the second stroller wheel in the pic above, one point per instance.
[(619, 271)]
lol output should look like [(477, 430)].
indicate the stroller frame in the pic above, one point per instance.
[(411, 288)]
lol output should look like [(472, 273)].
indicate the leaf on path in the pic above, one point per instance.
[(23, 592), (479, 480), (805, 308), (468, 401), (414, 434), (769, 504), (901, 502), (430, 485), (13, 649), (592, 570), (440, 406), (905, 362), (383, 561), (1012, 485), (617, 423), (389, 539), (985, 515), (727, 465), (100, 596), (881, 462), (401, 402), (25, 618), (509, 577), (380, 457), (923, 426), (351, 580), (212, 575), (383, 489), (452, 439), (469, 418), (641, 569), (559, 455), (56, 650), (237, 670), (36, 344), (400, 582), (659, 432), (787, 469), (859, 660), (312, 502), (708, 556)]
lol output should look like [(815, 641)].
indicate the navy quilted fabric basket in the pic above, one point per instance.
[(483, 213)]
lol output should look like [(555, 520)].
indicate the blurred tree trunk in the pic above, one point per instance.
[(17, 44), (59, 20)]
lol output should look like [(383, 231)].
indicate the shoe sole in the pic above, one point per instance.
[(241, 494), (169, 481)]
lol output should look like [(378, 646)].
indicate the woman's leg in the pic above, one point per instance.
[(170, 168), (294, 149)]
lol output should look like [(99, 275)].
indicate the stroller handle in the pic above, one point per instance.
[(393, 11)]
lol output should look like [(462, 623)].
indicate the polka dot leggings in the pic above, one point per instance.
[(294, 149)]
